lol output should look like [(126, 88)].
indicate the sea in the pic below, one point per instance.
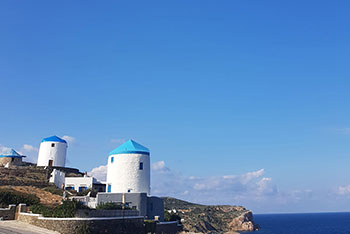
[(315, 223)]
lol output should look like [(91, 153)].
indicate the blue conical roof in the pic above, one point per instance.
[(11, 153), (54, 139), (130, 147)]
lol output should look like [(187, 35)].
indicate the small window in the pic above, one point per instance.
[(53, 145), (109, 188), (129, 190), (141, 166), (70, 188), (112, 159)]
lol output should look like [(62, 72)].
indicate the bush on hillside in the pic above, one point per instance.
[(8, 197), (54, 190), (171, 217), (66, 210)]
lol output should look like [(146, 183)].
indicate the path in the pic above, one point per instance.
[(16, 227)]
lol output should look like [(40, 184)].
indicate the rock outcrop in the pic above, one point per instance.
[(197, 218)]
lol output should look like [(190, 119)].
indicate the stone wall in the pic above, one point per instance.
[(105, 213), (11, 160), (125, 225), (8, 213)]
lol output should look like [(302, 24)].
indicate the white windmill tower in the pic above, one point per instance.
[(52, 152), (128, 169)]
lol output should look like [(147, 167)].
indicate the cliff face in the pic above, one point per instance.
[(211, 219)]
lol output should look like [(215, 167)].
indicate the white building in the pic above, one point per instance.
[(128, 169), (57, 178), (79, 183), (52, 152)]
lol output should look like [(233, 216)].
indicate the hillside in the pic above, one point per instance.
[(211, 219), (46, 197)]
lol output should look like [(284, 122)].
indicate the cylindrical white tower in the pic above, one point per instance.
[(52, 152), (128, 169)]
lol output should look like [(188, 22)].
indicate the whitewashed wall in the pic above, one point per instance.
[(124, 173), (57, 154), (57, 178), (77, 182)]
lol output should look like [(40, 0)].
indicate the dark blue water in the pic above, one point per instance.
[(321, 223)]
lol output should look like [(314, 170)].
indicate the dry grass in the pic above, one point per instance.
[(46, 198)]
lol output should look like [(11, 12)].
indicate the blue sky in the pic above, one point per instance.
[(212, 88)]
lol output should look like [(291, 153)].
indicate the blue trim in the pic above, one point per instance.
[(130, 152), (54, 139), (11, 156)]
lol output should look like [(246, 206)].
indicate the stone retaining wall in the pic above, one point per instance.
[(105, 213), (103, 225), (8, 213), (10, 160)]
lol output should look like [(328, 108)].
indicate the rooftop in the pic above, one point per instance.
[(130, 147), (54, 139), (11, 153)]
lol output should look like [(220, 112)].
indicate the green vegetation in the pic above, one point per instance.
[(66, 210), (54, 190), (111, 206), (171, 217), (85, 192), (8, 197)]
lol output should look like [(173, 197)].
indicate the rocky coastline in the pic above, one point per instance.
[(197, 218)]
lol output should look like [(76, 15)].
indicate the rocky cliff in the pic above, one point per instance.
[(197, 218)]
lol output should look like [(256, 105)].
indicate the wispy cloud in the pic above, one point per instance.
[(343, 190), (4, 149), (100, 173), (69, 139), (29, 148), (252, 189), (31, 152), (159, 167), (344, 130)]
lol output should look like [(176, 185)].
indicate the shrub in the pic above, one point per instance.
[(85, 192), (112, 206), (109, 206), (14, 197), (54, 190), (66, 210), (171, 217), (41, 209)]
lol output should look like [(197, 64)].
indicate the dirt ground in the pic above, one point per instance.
[(46, 198)]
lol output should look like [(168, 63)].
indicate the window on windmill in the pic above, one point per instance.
[(53, 145), (141, 166), (112, 159)]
